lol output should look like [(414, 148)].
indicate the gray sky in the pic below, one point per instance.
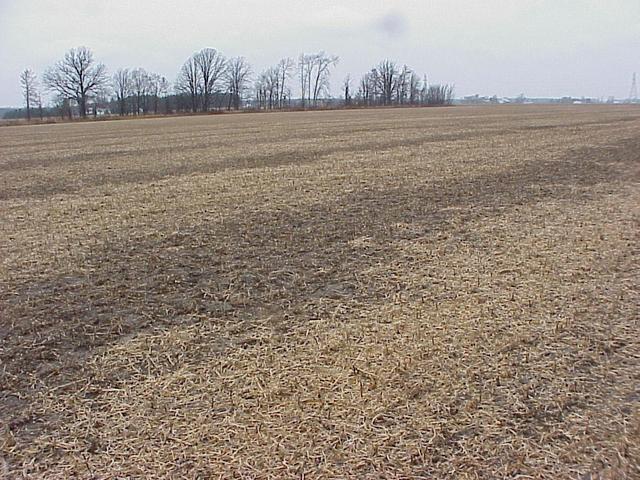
[(504, 47)]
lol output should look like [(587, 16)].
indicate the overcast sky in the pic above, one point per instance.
[(503, 47)]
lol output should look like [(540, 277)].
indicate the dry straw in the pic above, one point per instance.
[(391, 294)]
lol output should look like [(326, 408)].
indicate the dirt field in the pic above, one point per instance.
[(421, 293)]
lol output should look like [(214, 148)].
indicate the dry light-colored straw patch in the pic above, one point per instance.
[(393, 294)]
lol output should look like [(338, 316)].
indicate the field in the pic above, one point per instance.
[(406, 293)]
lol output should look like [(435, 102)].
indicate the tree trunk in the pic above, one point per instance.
[(28, 106), (82, 105)]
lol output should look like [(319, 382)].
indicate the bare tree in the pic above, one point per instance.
[(163, 92), (285, 68), (322, 64), (260, 90), (29, 84), (305, 63), (77, 76), (140, 88), (387, 81), (414, 88), (347, 90), (38, 104), (314, 72), (101, 98), (122, 88), (211, 65), (423, 90), (267, 88), (237, 75), (188, 81), (402, 85), (366, 90), (153, 86)]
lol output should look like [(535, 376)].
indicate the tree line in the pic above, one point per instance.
[(208, 81)]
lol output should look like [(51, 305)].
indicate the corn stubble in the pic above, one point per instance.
[(421, 293)]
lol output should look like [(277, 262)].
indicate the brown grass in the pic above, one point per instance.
[(424, 293)]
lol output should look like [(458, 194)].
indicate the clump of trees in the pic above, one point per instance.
[(201, 77), (272, 89), (139, 92), (314, 71), (207, 80), (389, 84)]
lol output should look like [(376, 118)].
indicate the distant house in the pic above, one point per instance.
[(97, 108)]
